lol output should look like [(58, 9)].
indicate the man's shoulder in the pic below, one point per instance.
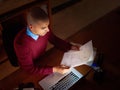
[(21, 37)]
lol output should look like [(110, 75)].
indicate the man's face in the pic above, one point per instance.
[(40, 28)]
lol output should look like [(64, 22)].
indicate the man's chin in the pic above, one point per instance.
[(43, 34)]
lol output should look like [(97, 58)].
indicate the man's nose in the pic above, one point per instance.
[(47, 29)]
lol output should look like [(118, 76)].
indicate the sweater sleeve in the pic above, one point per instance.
[(59, 43), (26, 63)]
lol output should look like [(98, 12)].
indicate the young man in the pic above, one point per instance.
[(31, 42)]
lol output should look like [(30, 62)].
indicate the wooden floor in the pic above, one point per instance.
[(105, 34)]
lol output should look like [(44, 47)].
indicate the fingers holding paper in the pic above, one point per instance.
[(62, 69), (75, 46)]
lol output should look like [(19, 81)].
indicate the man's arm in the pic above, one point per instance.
[(59, 43), (62, 44), (26, 63)]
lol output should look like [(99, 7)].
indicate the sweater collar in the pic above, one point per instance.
[(29, 33)]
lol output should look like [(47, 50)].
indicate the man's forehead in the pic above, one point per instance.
[(43, 22)]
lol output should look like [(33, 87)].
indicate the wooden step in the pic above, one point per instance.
[(6, 69), (3, 55)]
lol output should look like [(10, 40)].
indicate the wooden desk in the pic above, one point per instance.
[(54, 58), (105, 34)]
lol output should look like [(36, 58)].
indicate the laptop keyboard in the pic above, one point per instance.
[(66, 82)]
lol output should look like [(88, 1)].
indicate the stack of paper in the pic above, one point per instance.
[(75, 58)]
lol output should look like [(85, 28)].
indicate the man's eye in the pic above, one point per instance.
[(43, 27)]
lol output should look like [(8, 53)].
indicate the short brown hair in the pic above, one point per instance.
[(36, 14)]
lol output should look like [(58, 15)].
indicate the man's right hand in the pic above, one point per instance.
[(61, 69)]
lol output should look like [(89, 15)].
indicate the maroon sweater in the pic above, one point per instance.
[(29, 50)]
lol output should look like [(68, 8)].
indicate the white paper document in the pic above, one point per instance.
[(76, 58)]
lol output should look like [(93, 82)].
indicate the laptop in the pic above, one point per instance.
[(57, 81)]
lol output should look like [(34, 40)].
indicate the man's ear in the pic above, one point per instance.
[(30, 26)]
